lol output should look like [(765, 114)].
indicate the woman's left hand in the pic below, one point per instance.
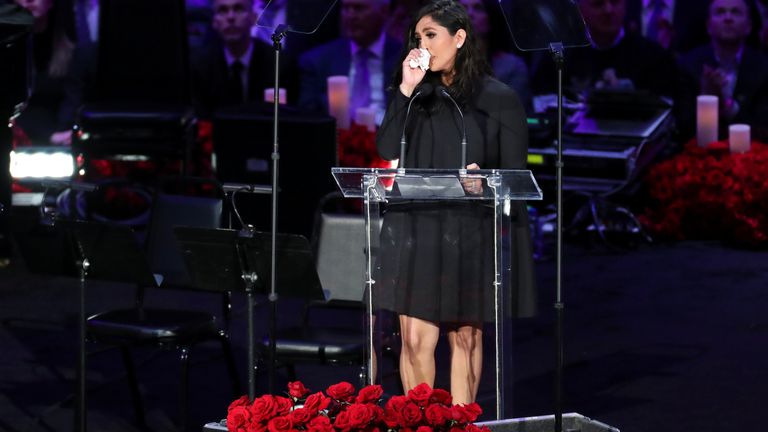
[(472, 186)]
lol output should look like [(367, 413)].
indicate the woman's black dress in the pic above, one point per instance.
[(436, 258)]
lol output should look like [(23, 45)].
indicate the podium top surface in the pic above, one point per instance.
[(436, 184)]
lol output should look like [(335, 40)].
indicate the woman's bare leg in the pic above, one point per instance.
[(417, 357), (466, 341)]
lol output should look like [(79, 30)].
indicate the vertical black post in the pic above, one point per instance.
[(81, 417), (558, 56), (277, 37)]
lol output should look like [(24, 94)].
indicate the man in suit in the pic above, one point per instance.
[(234, 68), (728, 68), (616, 60), (677, 25), (365, 54)]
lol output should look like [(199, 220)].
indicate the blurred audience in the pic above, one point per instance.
[(616, 60), (728, 68), (86, 22), (495, 42), (399, 17), (677, 25), (234, 68), (48, 117), (364, 53), (762, 8)]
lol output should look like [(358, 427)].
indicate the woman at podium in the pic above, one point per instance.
[(435, 268)]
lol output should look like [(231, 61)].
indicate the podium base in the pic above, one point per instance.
[(572, 422)]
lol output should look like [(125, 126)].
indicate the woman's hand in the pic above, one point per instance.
[(411, 76), (472, 186)]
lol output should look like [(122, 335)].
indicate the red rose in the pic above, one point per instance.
[(420, 394), (297, 390), (280, 424), (369, 394), (243, 401), (342, 391), (320, 424), (284, 405), (393, 410), (360, 415), (411, 414), (238, 419), (466, 413), (441, 396), (264, 408), (301, 416), (424, 429), (342, 422), (257, 427), (316, 402), (437, 415)]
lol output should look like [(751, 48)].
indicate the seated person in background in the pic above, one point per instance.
[(727, 68), (365, 54), (676, 25), (235, 68), (49, 116), (762, 7), (494, 40), (616, 60)]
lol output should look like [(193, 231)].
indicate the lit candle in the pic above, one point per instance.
[(269, 95), (739, 138), (706, 120), (365, 116), (338, 100)]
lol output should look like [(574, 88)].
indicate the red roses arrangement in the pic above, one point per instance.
[(710, 193), (357, 148), (340, 409)]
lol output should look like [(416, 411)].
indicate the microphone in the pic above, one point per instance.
[(424, 89), (443, 92), (250, 188)]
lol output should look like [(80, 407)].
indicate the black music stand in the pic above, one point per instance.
[(105, 252), (230, 260)]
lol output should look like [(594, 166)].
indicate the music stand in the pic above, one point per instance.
[(230, 260), (551, 25), (279, 31), (105, 252)]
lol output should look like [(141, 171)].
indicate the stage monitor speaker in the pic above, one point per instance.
[(572, 422), (243, 145)]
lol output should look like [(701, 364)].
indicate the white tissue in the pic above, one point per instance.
[(422, 62)]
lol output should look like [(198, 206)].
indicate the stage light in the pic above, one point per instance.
[(29, 163)]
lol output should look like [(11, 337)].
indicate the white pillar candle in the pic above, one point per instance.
[(706, 120), (365, 116), (269, 95), (739, 139), (338, 100)]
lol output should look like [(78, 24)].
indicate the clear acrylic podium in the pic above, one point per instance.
[(496, 188)]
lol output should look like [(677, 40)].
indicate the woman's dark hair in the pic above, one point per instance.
[(470, 66)]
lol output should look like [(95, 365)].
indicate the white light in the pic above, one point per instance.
[(40, 164)]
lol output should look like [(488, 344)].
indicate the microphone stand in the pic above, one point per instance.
[(277, 38), (556, 49)]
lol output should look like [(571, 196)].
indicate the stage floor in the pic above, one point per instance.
[(667, 337)]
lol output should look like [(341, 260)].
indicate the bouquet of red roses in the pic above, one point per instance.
[(340, 409)]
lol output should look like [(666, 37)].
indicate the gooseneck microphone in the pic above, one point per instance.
[(424, 89), (443, 92)]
